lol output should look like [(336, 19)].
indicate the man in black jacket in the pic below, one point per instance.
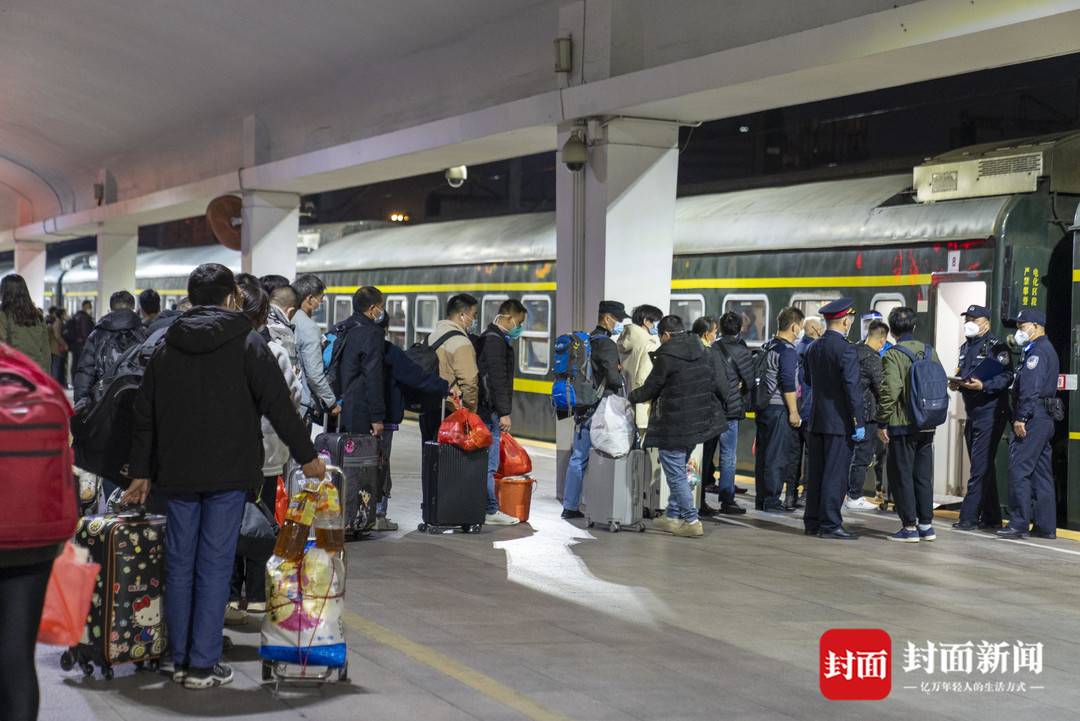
[(706, 327), (197, 438), (363, 405), (739, 362), (869, 352), (685, 392), (607, 374), (495, 361), (114, 334), (149, 306)]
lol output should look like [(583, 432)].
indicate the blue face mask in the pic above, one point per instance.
[(618, 329), (654, 331), (516, 332)]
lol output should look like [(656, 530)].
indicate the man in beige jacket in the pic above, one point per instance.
[(635, 344), (457, 356)]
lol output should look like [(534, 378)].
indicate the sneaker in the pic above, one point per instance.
[(707, 510), (256, 607), (731, 509), (179, 674), (665, 523), (688, 529), (1011, 533), (498, 518), (571, 513), (200, 678), (905, 535), (235, 617), (859, 504), (382, 523), (927, 535), (966, 526)]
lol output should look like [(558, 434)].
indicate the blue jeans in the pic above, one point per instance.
[(579, 463), (493, 462), (200, 546), (729, 449), (681, 500), (387, 444)]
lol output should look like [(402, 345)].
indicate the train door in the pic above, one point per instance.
[(951, 463)]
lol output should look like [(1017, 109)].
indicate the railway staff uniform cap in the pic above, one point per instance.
[(1027, 315), (838, 308), (976, 311), (614, 308)]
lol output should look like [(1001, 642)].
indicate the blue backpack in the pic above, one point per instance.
[(574, 389), (928, 389)]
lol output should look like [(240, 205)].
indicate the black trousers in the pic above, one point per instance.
[(1032, 496), (829, 463), (249, 576), (861, 457), (708, 462), (793, 474), (773, 450), (22, 595), (911, 477), (983, 434)]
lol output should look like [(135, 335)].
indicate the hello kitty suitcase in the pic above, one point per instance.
[(126, 623)]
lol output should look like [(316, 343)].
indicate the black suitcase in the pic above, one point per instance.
[(360, 458), (455, 488), (125, 624)]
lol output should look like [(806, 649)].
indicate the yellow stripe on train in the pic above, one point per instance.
[(835, 281), (446, 287)]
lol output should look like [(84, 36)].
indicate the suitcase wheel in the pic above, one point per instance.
[(433, 530), (67, 660), (267, 671), (641, 527), (343, 672), (614, 527), (87, 668), (107, 672), (421, 527)]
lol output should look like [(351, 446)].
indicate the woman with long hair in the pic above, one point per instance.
[(21, 324)]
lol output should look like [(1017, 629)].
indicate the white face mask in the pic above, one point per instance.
[(800, 335), (971, 329), (1021, 338)]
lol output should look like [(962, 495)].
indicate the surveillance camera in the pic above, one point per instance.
[(456, 176), (575, 154)]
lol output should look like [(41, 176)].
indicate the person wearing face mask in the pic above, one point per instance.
[(870, 372), (637, 341), (739, 364), (318, 395), (363, 402), (457, 358), (836, 422), (607, 375), (986, 372), (707, 328), (496, 365), (779, 421), (813, 327), (1035, 409)]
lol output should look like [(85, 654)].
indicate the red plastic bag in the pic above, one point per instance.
[(513, 459), (464, 429), (67, 599), (281, 502)]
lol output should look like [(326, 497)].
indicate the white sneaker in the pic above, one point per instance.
[(382, 523), (235, 617), (859, 504), (498, 518)]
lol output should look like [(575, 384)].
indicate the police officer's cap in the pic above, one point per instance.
[(1027, 315), (615, 308), (976, 311), (838, 308)]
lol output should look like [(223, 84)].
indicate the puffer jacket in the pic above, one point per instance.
[(686, 396), (275, 452), (496, 365), (635, 344), (113, 336), (457, 362), (30, 340)]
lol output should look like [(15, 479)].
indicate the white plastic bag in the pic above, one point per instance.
[(613, 426)]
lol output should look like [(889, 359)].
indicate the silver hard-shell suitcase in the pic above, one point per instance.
[(614, 489)]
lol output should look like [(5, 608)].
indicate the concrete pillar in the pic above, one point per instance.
[(615, 223), (30, 264), (116, 254), (269, 233)]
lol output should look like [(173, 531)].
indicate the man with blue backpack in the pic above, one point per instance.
[(587, 369), (914, 401)]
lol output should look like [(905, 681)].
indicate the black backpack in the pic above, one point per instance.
[(102, 426), (760, 393), (70, 332), (424, 355), (333, 347), (735, 406)]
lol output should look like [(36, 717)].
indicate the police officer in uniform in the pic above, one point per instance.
[(987, 404), (1035, 408), (836, 421)]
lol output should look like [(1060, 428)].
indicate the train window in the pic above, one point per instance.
[(397, 307), (320, 315), (688, 307), (489, 308), (535, 354), (885, 302), (427, 313), (754, 309), (810, 303), (342, 308)]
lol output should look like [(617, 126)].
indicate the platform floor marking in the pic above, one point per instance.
[(456, 670)]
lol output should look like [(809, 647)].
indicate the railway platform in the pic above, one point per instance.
[(551, 621)]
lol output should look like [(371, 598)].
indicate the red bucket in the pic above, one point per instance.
[(515, 495)]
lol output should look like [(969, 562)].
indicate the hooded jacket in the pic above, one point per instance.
[(112, 337), (275, 452), (363, 400), (164, 319), (197, 414), (495, 362), (685, 392), (635, 344)]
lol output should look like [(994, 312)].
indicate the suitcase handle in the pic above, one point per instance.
[(18, 380)]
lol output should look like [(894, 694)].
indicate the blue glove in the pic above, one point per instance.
[(859, 435)]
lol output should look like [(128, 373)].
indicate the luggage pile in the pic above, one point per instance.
[(615, 482), (454, 475), (365, 474)]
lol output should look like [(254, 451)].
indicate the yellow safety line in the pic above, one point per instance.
[(456, 670), (836, 281), (446, 287)]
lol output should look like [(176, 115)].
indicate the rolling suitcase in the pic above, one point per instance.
[(125, 624), (454, 488), (613, 492), (360, 457)]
